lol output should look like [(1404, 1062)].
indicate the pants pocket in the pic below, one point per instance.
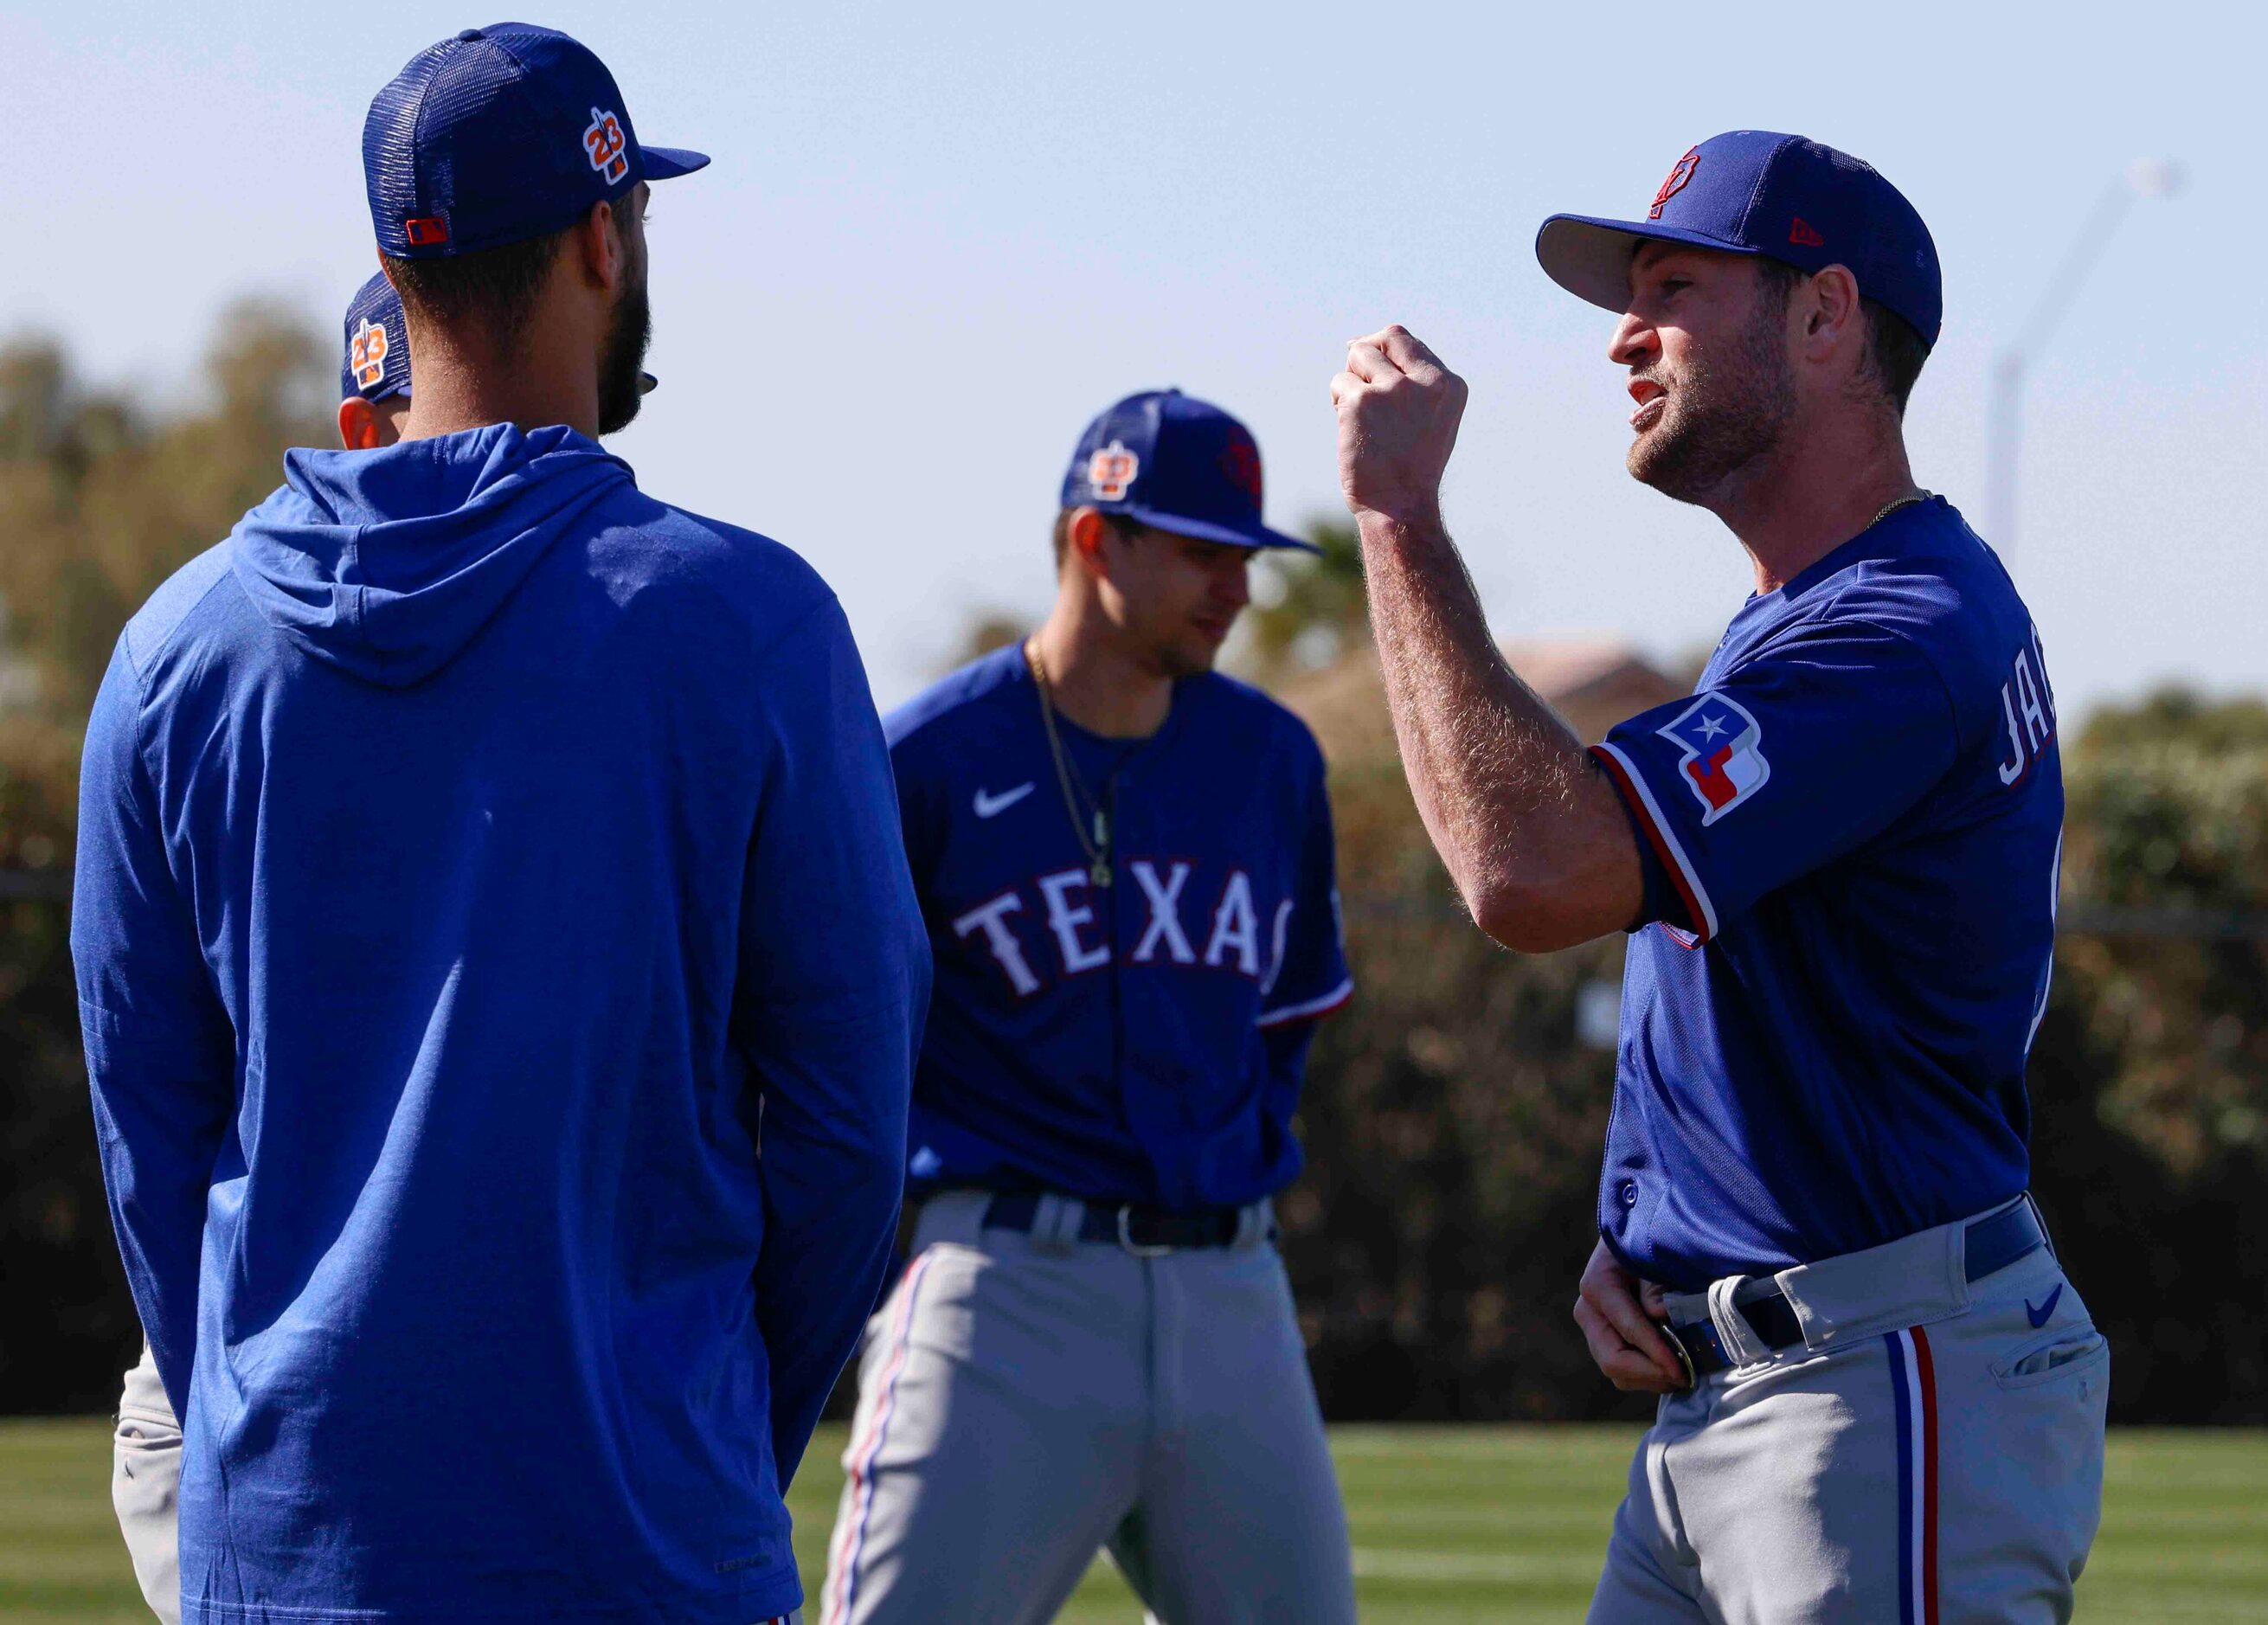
[(2058, 1355)]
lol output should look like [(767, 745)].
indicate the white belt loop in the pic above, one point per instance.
[(1255, 1222), (1054, 1224), (1739, 1339), (1957, 1266)]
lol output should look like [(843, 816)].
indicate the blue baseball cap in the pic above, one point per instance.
[(1177, 463), (497, 134), (376, 361), (1753, 191)]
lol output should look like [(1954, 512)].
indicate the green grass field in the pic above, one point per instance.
[(1450, 1524)]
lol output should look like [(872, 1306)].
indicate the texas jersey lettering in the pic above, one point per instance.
[(1138, 1041), (1073, 933)]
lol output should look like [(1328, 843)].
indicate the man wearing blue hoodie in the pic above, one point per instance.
[(499, 974)]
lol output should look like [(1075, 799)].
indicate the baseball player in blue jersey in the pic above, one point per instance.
[(1125, 863), (1882, 1401)]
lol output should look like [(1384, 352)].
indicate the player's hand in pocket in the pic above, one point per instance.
[(1398, 410), (1618, 1313)]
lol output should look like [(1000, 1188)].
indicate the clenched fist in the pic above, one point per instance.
[(1398, 410)]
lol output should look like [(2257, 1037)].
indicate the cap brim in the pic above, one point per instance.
[(668, 163), (647, 383), (1203, 530), (1591, 258)]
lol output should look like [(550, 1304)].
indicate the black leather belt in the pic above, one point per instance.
[(1145, 1231), (1991, 1244)]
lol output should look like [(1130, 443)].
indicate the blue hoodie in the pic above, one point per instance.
[(478, 861)]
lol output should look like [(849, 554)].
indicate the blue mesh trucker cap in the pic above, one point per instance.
[(376, 361), (497, 134)]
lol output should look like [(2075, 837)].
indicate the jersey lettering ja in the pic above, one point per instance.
[(1139, 1042), (1851, 837)]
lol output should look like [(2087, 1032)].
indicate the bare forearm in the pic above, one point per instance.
[(1506, 788), (1533, 835)]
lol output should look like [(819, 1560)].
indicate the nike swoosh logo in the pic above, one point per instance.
[(992, 807), (2039, 1316)]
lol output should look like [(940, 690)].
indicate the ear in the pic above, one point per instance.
[(1831, 318), (1088, 530), (357, 425), (601, 240)]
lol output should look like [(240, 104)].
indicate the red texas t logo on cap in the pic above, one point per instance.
[(1111, 472), (1240, 461), (1674, 183), (603, 141), (367, 356)]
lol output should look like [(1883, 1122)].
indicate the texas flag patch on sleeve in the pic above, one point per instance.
[(1724, 762)]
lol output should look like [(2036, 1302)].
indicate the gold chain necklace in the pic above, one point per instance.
[(1098, 849), (1889, 508)]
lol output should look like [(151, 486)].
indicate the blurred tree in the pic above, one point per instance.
[(2169, 812), (1308, 608), (987, 629), (99, 502), (2150, 1074)]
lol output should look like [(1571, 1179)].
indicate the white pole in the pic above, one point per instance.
[(2004, 418)]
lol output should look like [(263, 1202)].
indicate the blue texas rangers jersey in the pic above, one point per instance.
[(1141, 1041), (1851, 837)]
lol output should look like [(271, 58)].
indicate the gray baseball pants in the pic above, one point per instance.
[(1932, 1455), (1025, 1399), (146, 1486)]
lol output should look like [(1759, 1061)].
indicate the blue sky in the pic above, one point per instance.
[(936, 239)]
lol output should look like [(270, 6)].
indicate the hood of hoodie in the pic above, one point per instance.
[(386, 564)]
